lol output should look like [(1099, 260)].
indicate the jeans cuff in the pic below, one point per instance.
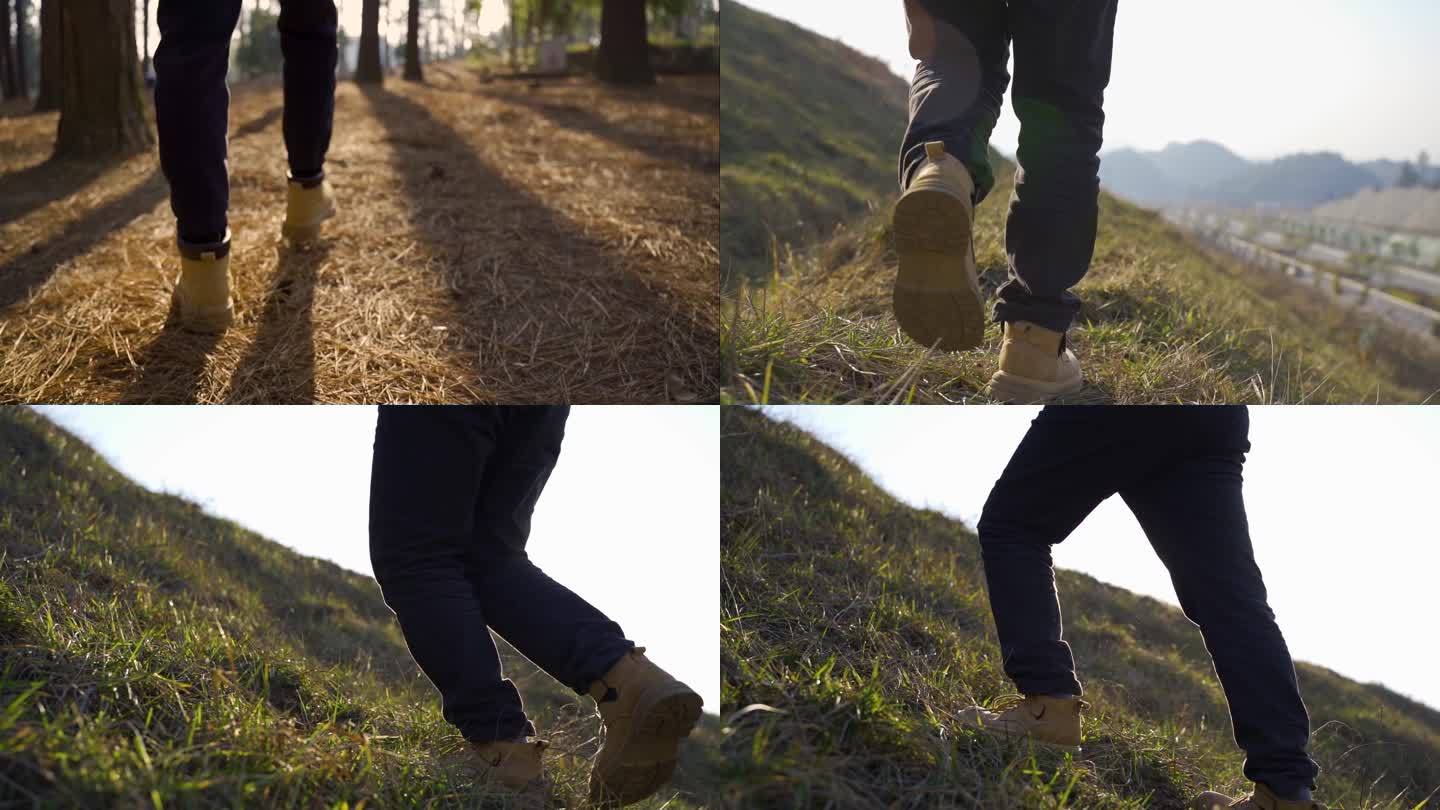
[(1066, 685), (309, 179), (501, 734), (202, 250), (600, 663)]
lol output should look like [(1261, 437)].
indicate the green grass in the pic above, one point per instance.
[(152, 655), (808, 152), (810, 136), (1164, 320), (854, 628)]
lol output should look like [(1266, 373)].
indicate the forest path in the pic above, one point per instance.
[(516, 241)]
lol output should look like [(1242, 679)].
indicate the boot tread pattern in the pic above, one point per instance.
[(936, 297)]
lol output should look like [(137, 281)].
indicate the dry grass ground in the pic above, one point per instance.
[(1163, 321), (497, 241)]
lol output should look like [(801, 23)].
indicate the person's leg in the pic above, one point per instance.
[(959, 84), (548, 623), (1062, 65), (1194, 515), (192, 106), (308, 31), (426, 479), (945, 169), (646, 711), (1070, 460)]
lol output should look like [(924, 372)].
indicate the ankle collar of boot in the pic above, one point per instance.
[(603, 692), (209, 250), (1265, 798), (306, 182), (1033, 334), (601, 689)]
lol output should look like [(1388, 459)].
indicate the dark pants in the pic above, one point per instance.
[(192, 101), (1179, 471), (1062, 65), (452, 490)]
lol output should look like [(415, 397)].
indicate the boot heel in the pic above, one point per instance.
[(300, 233), (936, 295), (206, 320), (672, 718), (648, 759)]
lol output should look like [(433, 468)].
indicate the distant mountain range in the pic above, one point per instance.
[(1207, 172)]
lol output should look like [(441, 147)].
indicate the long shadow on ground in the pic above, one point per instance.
[(171, 365), (439, 160), (571, 116), (28, 271), (279, 366), (39, 185)]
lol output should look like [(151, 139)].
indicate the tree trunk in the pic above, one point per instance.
[(367, 62), (145, 34), (387, 53), (624, 56), (514, 34), (49, 96), (412, 44), (22, 79), (7, 56), (102, 111)]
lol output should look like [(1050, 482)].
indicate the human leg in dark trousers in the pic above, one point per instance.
[(1179, 471), (452, 494), (452, 491), (192, 107), (1062, 66), (192, 103), (308, 32)]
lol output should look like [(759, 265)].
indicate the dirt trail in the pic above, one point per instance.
[(506, 241)]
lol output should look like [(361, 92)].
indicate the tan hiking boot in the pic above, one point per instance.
[(308, 203), (1261, 799), (647, 713), (201, 298), (921, 27), (514, 765), (1035, 366), (937, 292), (1052, 720)]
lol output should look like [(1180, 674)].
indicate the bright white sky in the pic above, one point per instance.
[(629, 519), (493, 16), (1341, 503), (1265, 79)]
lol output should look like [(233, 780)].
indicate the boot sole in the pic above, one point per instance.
[(937, 295), (1015, 390), (1067, 747), (205, 320), (1073, 748), (305, 233), (646, 759)]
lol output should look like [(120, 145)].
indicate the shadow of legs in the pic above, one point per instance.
[(279, 366), (171, 366)]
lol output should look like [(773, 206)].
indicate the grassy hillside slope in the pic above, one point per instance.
[(853, 628), (1164, 320), (810, 134), (152, 655)]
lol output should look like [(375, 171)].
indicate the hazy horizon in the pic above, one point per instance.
[(1365, 94)]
